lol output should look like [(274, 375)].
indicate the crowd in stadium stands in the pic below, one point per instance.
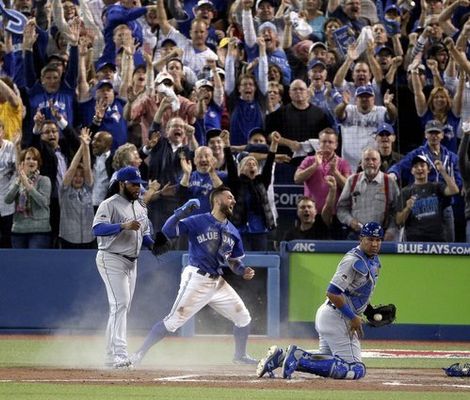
[(366, 104)]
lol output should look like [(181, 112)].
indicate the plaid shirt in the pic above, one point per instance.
[(367, 202)]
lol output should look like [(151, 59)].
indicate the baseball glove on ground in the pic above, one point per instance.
[(380, 315), (458, 370)]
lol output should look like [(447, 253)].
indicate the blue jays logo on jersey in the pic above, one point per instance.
[(210, 235)]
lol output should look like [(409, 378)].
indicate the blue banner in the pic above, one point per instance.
[(311, 246)]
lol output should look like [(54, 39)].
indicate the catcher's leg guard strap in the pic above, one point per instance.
[(331, 367)]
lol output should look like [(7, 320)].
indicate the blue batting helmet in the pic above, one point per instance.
[(372, 229)]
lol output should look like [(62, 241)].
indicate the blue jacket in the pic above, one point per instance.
[(116, 15), (402, 169)]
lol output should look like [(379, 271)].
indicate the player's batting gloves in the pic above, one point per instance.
[(187, 208)]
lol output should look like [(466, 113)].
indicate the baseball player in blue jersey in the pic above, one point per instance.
[(121, 226), (213, 243), (338, 320)]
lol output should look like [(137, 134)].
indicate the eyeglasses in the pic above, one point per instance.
[(273, 91)]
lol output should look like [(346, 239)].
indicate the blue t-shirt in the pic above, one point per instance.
[(113, 121), (277, 57), (63, 100), (200, 185), (245, 116)]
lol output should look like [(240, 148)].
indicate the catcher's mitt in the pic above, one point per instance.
[(161, 245), (459, 370), (380, 315)]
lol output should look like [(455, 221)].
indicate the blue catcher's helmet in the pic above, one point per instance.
[(372, 229)]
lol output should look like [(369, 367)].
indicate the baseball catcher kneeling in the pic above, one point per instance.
[(339, 319)]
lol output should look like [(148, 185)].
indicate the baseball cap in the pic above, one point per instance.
[(168, 41), (223, 42), (315, 62), (318, 44), (385, 130), (258, 2), (256, 131), (104, 82), (388, 49), (129, 174), (203, 82), (419, 158), (267, 25), (365, 90), (102, 64), (220, 71), (163, 76), (392, 7), (201, 3), (433, 126)]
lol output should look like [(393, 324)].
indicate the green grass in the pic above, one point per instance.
[(75, 392)]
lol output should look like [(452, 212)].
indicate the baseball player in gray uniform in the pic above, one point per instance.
[(338, 320), (121, 226)]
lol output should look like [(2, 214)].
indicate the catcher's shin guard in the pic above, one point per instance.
[(331, 367)]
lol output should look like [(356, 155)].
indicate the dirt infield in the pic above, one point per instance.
[(416, 380), (76, 359)]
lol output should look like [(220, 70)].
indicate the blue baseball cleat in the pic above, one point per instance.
[(268, 364), (187, 208), (290, 362)]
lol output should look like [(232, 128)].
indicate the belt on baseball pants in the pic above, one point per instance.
[(329, 303), (206, 274), (131, 259)]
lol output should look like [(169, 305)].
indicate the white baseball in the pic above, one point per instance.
[(377, 317)]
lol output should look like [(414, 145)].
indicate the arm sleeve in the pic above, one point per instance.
[(267, 173), (263, 74), (104, 229), (229, 74), (343, 207), (232, 172), (170, 229), (41, 194), (334, 289), (71, 73), (248, 28), (29, 73), (147, 241), (116, 16)]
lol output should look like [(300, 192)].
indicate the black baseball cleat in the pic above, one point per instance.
[(245, 359)]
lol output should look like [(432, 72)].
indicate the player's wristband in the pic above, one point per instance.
[(346, 311)]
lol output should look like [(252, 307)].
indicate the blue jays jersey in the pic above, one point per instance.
[(356, 276), (212, 244), (113, 120), (200, 185)]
